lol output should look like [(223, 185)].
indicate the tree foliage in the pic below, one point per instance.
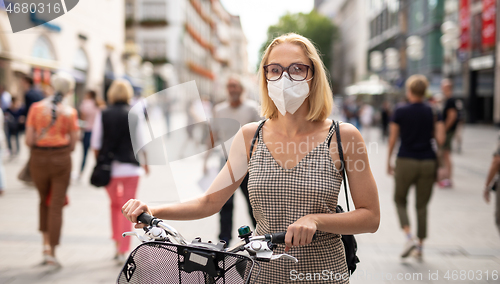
[(314, 26)]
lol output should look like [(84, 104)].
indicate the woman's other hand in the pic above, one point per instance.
[(133, 208), (146, 169), (390, 169), (300, 233)]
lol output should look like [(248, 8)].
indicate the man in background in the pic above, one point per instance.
[(31, 94), (244, 111), (450, 118)]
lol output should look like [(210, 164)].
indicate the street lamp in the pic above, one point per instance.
[(391, 58), (376, 61), (415, 48), (450, 42)]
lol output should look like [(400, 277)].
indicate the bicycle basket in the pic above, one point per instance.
[(167, 263)]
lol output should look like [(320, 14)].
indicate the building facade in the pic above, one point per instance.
[(196, 39), (349, 64), (478, 49), (87, 42)]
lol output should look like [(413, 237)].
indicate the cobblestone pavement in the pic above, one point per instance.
[(463, 242)]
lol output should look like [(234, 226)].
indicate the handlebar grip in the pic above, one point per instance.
[(145, 218), (279, 238)]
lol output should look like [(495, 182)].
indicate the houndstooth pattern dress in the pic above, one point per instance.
[(279, 197)]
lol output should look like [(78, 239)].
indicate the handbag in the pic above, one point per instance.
[(25, 174), (101, 175), (350, 244)]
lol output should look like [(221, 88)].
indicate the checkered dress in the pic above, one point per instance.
[(279, 197)]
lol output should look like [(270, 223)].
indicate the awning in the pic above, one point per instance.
[(135, 82), (373, 86)]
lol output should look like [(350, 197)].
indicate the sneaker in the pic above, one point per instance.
[(408, 248), (417, 254), (121, 259), (445, 183)]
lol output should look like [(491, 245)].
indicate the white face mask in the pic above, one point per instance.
[(288, 95)]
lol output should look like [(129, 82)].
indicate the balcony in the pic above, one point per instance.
[(153, 22), (156, 60), (129, 22)]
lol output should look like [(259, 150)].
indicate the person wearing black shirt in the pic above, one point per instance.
[(15, 117), (450, 118), (386, 115), (31, 94), (416, 124)]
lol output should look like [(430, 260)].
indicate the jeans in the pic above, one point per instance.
[(86, 146), (11, 133)]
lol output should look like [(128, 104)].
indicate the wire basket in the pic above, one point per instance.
[(168, 263)]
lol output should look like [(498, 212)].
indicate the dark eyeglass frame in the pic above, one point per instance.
[(287, 71)]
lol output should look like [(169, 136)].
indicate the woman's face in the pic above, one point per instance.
[(288, 53)]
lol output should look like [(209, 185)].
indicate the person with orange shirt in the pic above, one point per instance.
[(51, 133)]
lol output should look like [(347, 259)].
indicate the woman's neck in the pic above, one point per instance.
[(291, 125)]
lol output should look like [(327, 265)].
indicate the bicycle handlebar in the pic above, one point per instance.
[(279, 238), (149, 220), (145, 218)]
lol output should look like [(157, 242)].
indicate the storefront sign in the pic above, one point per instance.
[(464, 21), (483, 62), (489, 21)]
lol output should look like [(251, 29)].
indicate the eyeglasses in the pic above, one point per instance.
[(296, 71)]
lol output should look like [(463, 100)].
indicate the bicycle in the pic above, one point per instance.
[(159, 260)]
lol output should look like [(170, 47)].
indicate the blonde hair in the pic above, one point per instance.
[(417, 85), (62, 82), (120, 91), (320, 94)]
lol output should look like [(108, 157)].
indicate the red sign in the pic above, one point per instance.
[(464, 22), (489, 21)]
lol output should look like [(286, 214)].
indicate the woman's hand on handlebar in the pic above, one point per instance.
[(300, 233), (134, 208)]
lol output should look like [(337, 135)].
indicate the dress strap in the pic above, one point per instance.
[(330, 134), (255, 138)]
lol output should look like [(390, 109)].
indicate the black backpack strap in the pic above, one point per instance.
[(341, 155), (255, 138)]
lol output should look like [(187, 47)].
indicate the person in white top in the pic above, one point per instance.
[(6, 98), (89, 108)]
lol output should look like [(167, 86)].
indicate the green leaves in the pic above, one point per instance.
[(317, 28)]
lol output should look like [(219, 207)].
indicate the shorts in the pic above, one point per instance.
[(449, 139)]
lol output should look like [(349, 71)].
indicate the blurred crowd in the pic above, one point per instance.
[(51, 127)]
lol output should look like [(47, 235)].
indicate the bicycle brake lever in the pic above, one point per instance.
[(141, 238), (284, 255)]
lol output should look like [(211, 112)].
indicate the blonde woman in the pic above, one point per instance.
[(294, 177), (51, 133), (111, 136)]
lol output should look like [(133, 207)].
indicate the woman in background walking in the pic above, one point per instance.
[(111, 134), (51, 133), (88, 111), (416, 124)]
